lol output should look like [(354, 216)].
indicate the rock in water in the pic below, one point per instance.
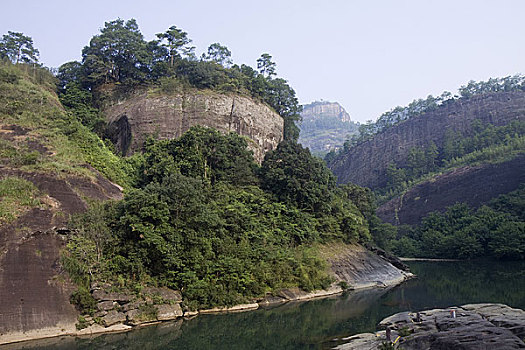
[(475, 326)]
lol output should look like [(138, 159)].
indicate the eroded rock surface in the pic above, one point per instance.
[(478, 184), (164, 116), (366, 164), (474, 326)]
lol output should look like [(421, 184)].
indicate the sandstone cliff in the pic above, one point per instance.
[(34, 289), (365, 164), (133, 119), (319, 110), (325, 126), (478, 184)]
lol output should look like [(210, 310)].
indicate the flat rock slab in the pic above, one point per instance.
[(167, 312), (113, 317), (475, 326), (166, 294)]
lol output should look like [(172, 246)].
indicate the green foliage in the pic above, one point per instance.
[(218, 54), (199, 222), (201, 153), (84, 302), (265, 65), (486, 144), (147, 312), (497, 230), (18, 48), (16, 194), (419, 107), (297, 178), (82, 323), (118, 54)]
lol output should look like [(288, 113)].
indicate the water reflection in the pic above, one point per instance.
[(320, 324)]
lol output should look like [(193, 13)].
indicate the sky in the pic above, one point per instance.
[(368, 55)]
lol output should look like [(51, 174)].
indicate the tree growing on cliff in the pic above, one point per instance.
[(118, 54), (18, 48), (177, 42), (265, 65), (218, 54)]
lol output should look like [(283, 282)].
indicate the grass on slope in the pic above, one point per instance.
[(38, 135), (16, 196)]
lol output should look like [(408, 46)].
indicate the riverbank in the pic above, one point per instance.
[(353, 268), (428, 259), (471, 326)]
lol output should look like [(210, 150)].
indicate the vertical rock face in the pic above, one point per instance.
[(34, 290), (132, 120), (319, 110), (477, 184), (366, 164), (325, 126)]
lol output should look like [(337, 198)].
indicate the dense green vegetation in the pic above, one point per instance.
[(52, 140), (486, 144), (418, 108), (209, 221), (199, 214), (119, 56), (496, 230)]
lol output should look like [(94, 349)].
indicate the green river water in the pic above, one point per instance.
[(322, 323)]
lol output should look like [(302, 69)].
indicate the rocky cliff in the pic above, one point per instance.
[(478, 184), (325, 126), (131, 120), (324, 109), (366, 163), (34, 289)]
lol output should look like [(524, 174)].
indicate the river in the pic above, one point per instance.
[(322, 323)]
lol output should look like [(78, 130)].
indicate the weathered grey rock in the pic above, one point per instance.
[(272, 300), (360, 268), (132, 119), (475, 326), (366, 164), (321, 136), (164, 293), (106, 305), (102, 295), (168, 311), (113, 317), (132, 305), (100, 313), (134, 317)]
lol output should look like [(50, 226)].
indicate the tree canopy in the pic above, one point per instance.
[(18, 48)]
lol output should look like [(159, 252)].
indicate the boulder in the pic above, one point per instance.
[(133, 305), (168, 311), (113, 317), (473, 326), (106, 305)]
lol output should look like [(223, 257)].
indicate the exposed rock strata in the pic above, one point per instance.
[(34, 291), (141, 115), (359, 268), (475, 326), (478, 184), (366, 163)]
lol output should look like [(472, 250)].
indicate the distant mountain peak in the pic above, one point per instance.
[(323, 109), (325, 126)]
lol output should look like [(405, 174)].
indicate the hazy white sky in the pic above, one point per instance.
[(368, 55)]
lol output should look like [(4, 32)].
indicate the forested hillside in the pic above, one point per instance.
[(422, 159), (195, 213)]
